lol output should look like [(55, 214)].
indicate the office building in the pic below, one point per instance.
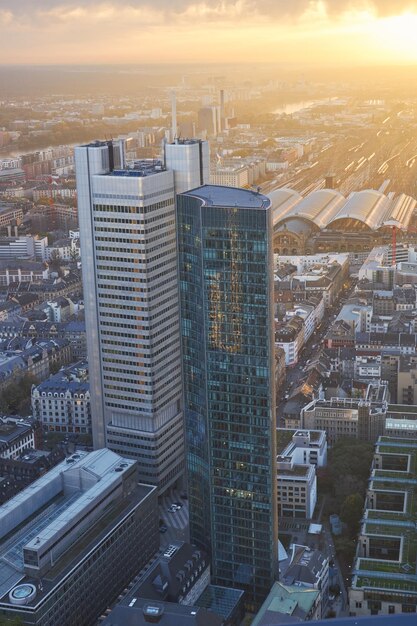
[(226, 283), (299, 452), (73, 539), (384, 579), (362, 418), (208, 120), (128, 245)]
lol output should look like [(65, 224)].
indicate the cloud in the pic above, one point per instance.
[(25, 10)]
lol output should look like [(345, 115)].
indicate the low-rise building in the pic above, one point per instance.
[(324, 274), (23, 246), (10, 214), (16, 271), (308, 569), (15, 438), (59, 310), (362, 418), (280, 372), (309, 387), (141, 612), (306, 447), (62, 403), (15, 364), (297, 488), (367, 367), (384, 580), (299, 454), (180, 576), (290, 337), (85, 529), (26, 468), (73, 331), (63, 250), (288, 604)]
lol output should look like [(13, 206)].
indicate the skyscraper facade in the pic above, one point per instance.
[(128, 247), (227, 322)]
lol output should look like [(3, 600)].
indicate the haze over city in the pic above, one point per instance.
[(208, 312)]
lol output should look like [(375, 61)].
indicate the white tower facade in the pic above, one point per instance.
[(128, 243), (189, 159)]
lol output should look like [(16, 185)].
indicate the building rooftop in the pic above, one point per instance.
[(141, 612), (369, 209), (47, 515), (218, 195), (140, 169), (285, 436), (372, 620), (220, 600), (393, 479), (172, 573), (286, 604), (11, 431), (306, 566)]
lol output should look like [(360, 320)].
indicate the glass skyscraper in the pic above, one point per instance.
[(227, 323)]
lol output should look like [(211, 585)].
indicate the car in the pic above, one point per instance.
[(173, 508), (163, 529)]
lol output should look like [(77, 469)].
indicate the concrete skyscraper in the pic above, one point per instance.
[(227, 326), (128, 247)]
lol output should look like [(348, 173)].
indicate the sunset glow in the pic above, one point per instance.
[(336, 32)]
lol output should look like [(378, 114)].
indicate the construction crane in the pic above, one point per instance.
[(394, 246)]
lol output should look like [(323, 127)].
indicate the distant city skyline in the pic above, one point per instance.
[(315, 31)]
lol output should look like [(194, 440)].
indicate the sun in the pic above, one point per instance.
[(397, 37)]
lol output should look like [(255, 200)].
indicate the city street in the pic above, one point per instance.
[(176, 522)]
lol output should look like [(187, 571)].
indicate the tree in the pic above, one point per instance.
[(55, 262), (10, 621), (351, 511), (349, 466), (54, 368), (15, 398)]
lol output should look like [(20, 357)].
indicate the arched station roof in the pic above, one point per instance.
[(327, 208), (282, 201), (400, 211), (318, 207), (366, 207)]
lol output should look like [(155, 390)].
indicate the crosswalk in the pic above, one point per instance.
[(176, 522)]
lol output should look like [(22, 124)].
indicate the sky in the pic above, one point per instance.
[(321, 32)]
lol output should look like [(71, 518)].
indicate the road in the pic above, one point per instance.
[(342, 607), (176, 522), (311, 351)]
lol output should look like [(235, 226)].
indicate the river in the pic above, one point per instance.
[(293, 107)]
